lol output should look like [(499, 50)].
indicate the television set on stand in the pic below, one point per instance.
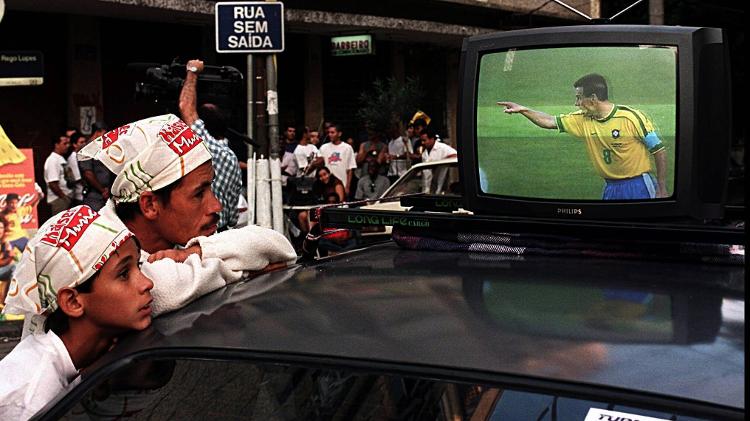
[(613, 124)]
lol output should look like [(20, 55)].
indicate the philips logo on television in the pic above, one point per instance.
[(570, 211)]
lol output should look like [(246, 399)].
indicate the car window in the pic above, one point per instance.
[(440, 179), (228, 390)]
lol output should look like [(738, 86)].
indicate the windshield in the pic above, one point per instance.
[(438, 179)]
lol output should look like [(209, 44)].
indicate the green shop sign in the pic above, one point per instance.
[(354, 45)]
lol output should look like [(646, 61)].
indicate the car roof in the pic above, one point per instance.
[(483, 313)]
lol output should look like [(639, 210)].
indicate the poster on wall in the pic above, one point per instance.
[(18, 196)]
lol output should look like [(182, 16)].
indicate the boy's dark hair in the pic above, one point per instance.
[(215, 119), (591, 84), (58, 321), (420, 122), (128, 211), (12, 196)]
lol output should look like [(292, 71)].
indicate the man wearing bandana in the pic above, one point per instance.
[(77, 298), (162, 193)]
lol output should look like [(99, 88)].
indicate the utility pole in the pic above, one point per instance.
[(274, 152), (656, 12), (250, 104)]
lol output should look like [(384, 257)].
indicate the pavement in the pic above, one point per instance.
[(10, 335)]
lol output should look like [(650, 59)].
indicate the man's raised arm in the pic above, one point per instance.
[(188, 95), (539, 118)]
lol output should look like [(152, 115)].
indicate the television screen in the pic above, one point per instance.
[(578, 123)]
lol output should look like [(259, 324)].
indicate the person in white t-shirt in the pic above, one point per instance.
[(77, 141), (59, 195), (434, 150), (338, 156), (79, 310), (305, 154)]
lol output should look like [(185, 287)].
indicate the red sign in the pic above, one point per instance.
[(18, 196)]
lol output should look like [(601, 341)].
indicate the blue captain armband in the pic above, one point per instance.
[(653, 143)]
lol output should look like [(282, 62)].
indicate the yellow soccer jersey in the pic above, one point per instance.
[(617, 144)]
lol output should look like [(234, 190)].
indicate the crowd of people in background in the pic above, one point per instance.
[(334, 168)]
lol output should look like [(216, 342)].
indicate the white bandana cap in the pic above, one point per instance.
[(147, 155), (65, 252)]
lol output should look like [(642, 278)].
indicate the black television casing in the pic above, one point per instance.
[(703, 126)]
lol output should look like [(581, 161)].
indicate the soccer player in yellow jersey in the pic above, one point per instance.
[(619, 140)]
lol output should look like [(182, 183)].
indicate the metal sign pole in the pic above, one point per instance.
[(250, 181), (274, 147)]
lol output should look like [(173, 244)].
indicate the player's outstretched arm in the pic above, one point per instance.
[(539, 118)]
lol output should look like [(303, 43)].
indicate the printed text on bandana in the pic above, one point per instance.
[(179, 137), (69, 228), (111, 137)]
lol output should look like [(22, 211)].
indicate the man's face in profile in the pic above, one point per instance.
[(427, 142), (62, 146), (587, 104), (192, 209)]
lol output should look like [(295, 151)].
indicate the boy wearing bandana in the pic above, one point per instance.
[(79, 285)]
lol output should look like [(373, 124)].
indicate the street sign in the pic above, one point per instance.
[(19, 68), (249, 27)]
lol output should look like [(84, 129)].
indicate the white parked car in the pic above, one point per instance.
[(438, 177)]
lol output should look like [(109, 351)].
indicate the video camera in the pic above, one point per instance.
[(161, 83), (219, 85)]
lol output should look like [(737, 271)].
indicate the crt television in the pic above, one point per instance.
[(599, 122)]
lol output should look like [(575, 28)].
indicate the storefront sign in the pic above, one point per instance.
[(19, 68), (354, 45), (249, 27)]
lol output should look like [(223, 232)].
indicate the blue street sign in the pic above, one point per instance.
[(249, 27)]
